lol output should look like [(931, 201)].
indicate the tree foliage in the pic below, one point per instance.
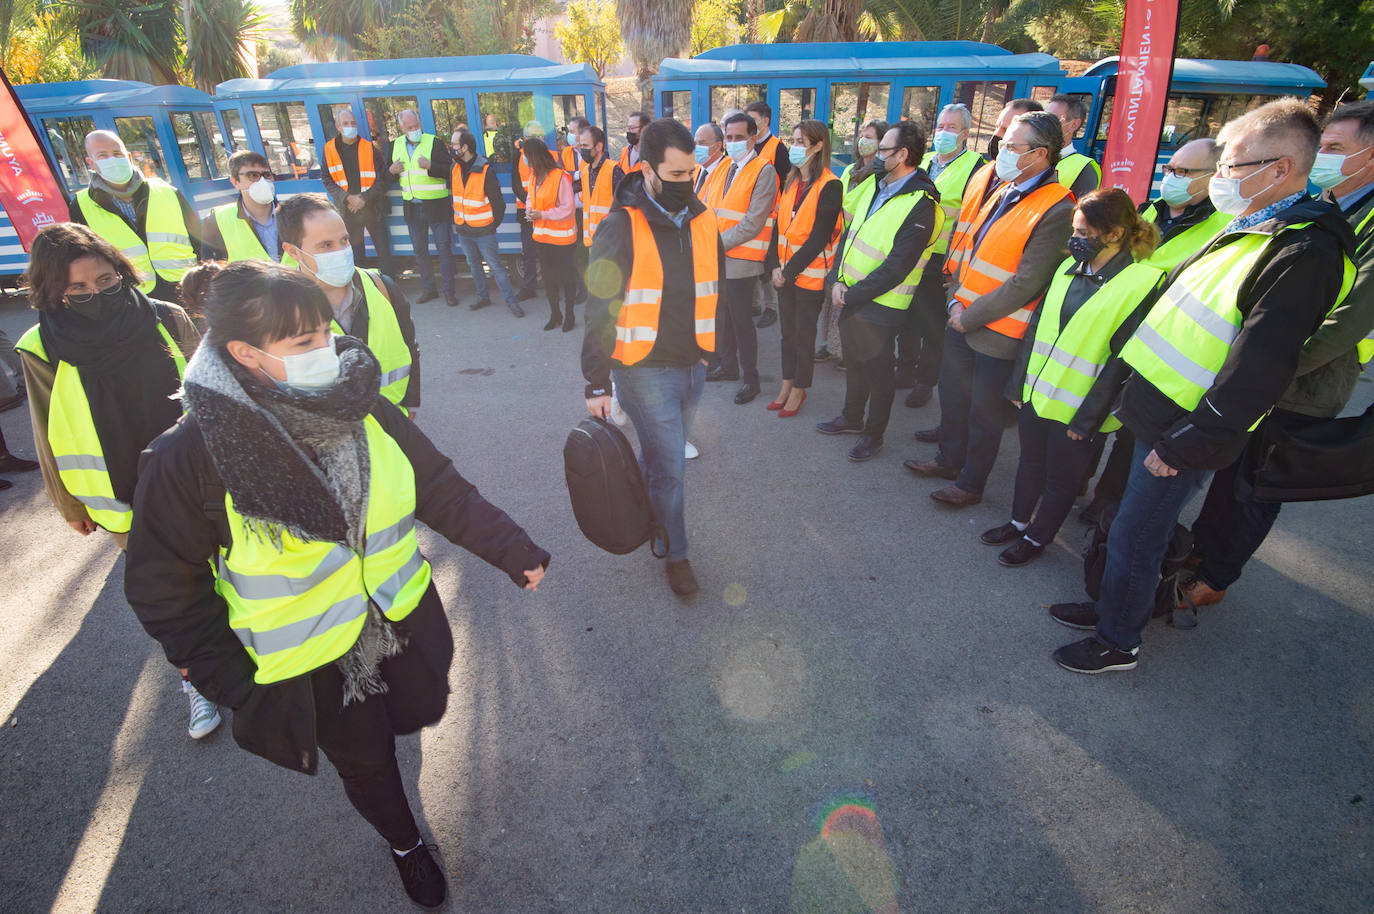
[(591, 35), (131, 40), (714, 23), (653, 30), (42, 49), (220, 33)]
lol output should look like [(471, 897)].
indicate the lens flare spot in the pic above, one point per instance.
[(735, 594)]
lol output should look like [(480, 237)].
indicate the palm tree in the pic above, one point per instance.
[(653, 30), (218, 34), (131, 40), (333, 28)]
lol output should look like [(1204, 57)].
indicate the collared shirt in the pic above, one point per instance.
[(267, 231), (707, 169), (936, 166), (1067, 151), (736, 166), (1165, 220), (1242, 223), (345, 310), (1348, 202), (887, 189), (1020, 189), (678, 217)]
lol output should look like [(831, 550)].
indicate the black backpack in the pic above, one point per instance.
[(609, 497), (1173, 571)]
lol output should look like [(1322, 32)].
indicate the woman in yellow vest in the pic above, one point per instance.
[(274, 549), (550, 212), (809, 223), (1071, 369), (102, 366)]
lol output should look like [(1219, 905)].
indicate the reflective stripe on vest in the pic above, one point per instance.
[(982, 269), (367, 165), (636, 325), (1186, 243), (1065, 363), (416, 182), (470, 204), (732, 203), (1072, 165), (870, 238), (951, 184), (167, 251), (300, 606), (1186, 337), (596, 198), (76, 447), (544, 198), (385, 339), (240, 241), (794, 230)]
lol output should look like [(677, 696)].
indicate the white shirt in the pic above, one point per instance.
[(1067, 151)]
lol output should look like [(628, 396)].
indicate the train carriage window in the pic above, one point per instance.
[(677, 103), (449, 115), (238, 137), (327, 112), (985, 100), (209, 133), (794, 106), (504, 116), (1087, 101), (381, 117), (565, 108), (851, 106), (286, 138), (1043, 94), (67, 136), (140, 137), (191, 143), (734, 98), (922, 105), (1223, 108)]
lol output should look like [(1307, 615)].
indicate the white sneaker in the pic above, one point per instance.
[(692, 452), (204, 715)]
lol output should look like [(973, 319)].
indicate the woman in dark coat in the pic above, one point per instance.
[(273, 553)]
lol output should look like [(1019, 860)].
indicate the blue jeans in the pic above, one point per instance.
[(423, 219), (1135, 548), (661, 401), (486, 247), (973, 410)]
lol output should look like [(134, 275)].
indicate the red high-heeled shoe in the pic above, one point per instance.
[(789, 413), (776, 405)]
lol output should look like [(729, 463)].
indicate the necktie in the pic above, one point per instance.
[(1009, 199)]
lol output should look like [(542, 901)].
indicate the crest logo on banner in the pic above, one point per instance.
[(1142, 91)]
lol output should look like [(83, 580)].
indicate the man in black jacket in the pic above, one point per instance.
[(657, 355), (360, 198), (1213, 356)]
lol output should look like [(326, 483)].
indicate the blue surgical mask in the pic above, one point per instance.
[(701, 153), (737, 150), (115, 170), (308, 372), (946, 141), (796, 155), (348, 133), (414, 136), (1327, 170), (334, 268), (571, 138), (1175, 190)]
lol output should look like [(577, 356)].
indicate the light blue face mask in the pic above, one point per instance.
[(1327, 170), (349, 133), (414, 136), (945, 142), (797, 155), (571, 138), (701, 153), (116, 170), (737, 150)]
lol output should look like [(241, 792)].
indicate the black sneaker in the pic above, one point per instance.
[(1092, 656), (1019, 553), (770, 317), (421, 876), (822, 355), (1082, 616), (838, 426), (999, 536), (866, 449)]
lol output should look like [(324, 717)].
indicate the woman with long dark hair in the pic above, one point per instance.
[(550, 194), (274, 550), (809, 223)]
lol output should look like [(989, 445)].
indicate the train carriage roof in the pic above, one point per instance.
[(396, 76), (106, 93), (1235, 74), (857, 57)]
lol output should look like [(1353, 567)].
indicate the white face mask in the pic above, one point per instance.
[(414, 136), (1327, 170), (1008, 165), (349, 133), (116, 170), (262, 191), (334, 268), (311, 371), (1227, 197), (1176, 190)]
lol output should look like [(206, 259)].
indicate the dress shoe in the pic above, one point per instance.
[(681, 579), (789, 413), (427, 295), (920, 395), (1019, 553), (955, 497), (555, 321), (451, 300), (12, 464), (515, 308), (569, 320), (1000, 536), (720, 374), (746, 394), (1197, 590), (526, 294), (479, 304), (903, 380), (866, 449), (12, 402), (928, 435), (5, 484), (770, 317), (838, 426), (931, 468)]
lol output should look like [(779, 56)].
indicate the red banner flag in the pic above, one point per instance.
[(28, 190), (1142, 90)]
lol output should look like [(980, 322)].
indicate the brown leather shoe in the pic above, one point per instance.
[(955, 497), (1201, 593), (681, 579), (931, 468)]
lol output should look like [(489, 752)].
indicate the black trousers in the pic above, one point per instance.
[(373, 221), (868, 380), (556, 260), (1049, 474), (1111, 485), (921, 344), (737, 340), (580, 259), (798, 311)]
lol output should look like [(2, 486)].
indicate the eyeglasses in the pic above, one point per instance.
[(1024, 147), (81, 298), (1184, 172), (1226, 171), (256, 175), (888, 149)]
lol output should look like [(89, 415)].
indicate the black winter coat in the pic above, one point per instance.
[(179, 526)]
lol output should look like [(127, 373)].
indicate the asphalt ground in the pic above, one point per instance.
[(858, 711)]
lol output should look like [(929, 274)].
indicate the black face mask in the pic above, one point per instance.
[(1085, 250), (632, 139), (673, 195), (587, 155), (101, 305), (993, 146)]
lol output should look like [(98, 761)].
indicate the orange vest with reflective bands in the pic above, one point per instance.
[(597, 198), (977, 272), (974, 193), (732, 203), (625, 162), (793, 230), (571, 159), (636, 326), (367, 166), (470, 203), (770, 155), (545, 198)]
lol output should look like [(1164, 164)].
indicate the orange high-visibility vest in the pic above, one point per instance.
[(732, 203), (597, 198), (713, 180), (793, 230), (976, 272), (636, 326), (470, 204), (367, 166), (625, 162), (770, 155), (545, 198), (571, 159), (975, 192)]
